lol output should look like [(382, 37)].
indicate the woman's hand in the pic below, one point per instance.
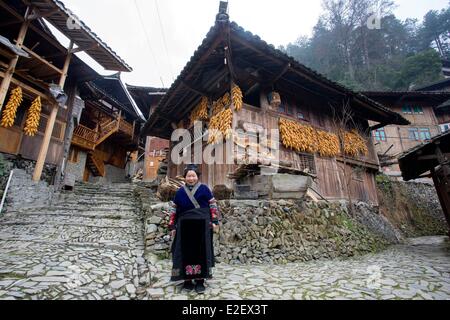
[(172, 233), (216, 228)]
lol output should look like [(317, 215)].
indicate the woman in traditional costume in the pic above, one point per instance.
[(193, 218)]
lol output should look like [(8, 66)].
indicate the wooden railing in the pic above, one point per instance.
[(107, 131), (90, 139), (84, 137), (126, 127), (86, 133)]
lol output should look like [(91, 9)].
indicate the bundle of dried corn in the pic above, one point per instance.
[(226, 100), (327, 144), (9, 114), (354, 144), (33, 118), (217, 107), (236, 96), (220, 126), (299, 137), (201, 111)]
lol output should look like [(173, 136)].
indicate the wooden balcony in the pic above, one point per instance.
[(89, 139)]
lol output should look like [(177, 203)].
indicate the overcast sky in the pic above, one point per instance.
[(161, 50)]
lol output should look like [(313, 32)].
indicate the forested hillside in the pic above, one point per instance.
[(387, 55)]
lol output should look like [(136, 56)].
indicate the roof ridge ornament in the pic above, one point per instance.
[(223, 16)]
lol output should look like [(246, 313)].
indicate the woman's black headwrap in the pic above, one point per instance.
[(191, 167)]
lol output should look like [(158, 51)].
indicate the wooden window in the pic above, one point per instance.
[(424, 134), (413, 134), (300, 115), (445, 127), (418, 110), (407, 109), (306, 161), (419, 134), (380, 135)]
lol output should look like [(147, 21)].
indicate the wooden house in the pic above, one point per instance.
[(428, 114), (276, 90), (33, 59), (147, 98), (106, 137)]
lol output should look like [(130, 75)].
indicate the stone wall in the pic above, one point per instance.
[(412, 207), (25, 193), (258, 231), (16, 162)]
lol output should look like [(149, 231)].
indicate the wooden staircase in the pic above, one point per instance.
[(89, 139), (107, 131), (95, 164)]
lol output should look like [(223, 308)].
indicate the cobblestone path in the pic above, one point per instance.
[(89, 245), (417, 270)]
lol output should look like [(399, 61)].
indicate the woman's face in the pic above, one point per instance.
[(191, 178)]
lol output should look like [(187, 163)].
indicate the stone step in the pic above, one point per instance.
[(112, 205), (79, 212), (46, 219), (72, 234)]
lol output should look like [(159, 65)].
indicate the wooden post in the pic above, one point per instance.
[(51, 121), (13, 63)]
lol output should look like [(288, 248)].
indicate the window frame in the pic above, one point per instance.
[(380, 135)]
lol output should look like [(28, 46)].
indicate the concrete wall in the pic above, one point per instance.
[(113, 175), (77, 168)]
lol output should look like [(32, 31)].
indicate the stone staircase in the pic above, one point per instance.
[(101, 223)]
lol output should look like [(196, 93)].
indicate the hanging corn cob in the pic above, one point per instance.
[(327, 144), (217, 107), (220, 126), (9, 113), (226, 100), (354, 144), (201, 111), (236, 96), (299, 137), (33, 118)]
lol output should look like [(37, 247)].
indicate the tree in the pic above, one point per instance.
[(346, 51)]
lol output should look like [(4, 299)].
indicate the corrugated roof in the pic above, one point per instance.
[(67, 23)]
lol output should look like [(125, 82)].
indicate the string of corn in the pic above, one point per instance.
[(304, 138), (201, 111), (354, 144), (236, 96), (327, 144), (217, 107), (33, 118), (10, 111), (299, 137), (220, 126)]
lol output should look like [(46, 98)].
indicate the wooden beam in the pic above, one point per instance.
[(278, 76), (13, 63), (28, 88), (42, 60), (37, 14), (51, 122), (194, 90)]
